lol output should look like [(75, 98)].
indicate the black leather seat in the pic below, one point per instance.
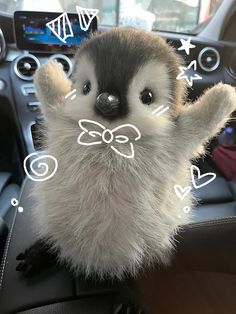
[(215, 192), (3, 236), (232, 187), (217, 199), (8, 191)]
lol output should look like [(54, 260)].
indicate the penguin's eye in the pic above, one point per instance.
[(87, 88), (146, 97)]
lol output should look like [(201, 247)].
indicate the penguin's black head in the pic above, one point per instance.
[(123, 72)]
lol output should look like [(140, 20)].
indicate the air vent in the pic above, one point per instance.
[(65, 62), (209, 59), (25, 67)]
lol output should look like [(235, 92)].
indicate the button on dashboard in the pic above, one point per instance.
[(34, 105), (28, 89)]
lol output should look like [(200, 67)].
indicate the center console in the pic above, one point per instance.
[(27, 105)]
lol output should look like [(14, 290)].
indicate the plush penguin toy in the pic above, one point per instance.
[(111, 209)]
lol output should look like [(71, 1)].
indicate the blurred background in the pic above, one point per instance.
[(184, 16)]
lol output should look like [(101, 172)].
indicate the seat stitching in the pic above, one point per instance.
[(6, 250), (3, 264)]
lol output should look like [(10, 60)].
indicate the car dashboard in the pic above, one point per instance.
[(215, 61)]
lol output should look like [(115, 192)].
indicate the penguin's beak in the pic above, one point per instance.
[(108, 105)]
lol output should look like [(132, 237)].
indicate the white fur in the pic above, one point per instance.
[(108, 214)]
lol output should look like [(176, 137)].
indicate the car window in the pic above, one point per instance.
[(186, 16)]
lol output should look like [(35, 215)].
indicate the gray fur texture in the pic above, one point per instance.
[(111, 215)]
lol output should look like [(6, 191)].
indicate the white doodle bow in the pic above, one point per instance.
[(91, 137)]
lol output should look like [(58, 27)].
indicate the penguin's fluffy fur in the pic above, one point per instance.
[(108, 214)]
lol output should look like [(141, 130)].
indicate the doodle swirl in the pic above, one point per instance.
[(39, 168)]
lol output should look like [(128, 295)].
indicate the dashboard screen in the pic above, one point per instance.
[(50, 32)]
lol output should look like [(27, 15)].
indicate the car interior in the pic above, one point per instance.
[(202, 275)]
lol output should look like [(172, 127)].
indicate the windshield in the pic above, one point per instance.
[(186, 16)]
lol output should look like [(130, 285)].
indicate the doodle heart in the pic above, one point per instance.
[(182, 192), (198, 181), (201, 179)]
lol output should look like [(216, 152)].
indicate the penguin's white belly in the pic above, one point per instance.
[(108, 220)]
